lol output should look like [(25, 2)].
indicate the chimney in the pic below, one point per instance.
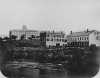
[(71, 32)]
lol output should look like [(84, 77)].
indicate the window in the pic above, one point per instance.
[(80, 38), (84, 38), (62, 40), (57, 39), (47, 39), (87, 38), (52, 39), (65, 40), (48, 35)]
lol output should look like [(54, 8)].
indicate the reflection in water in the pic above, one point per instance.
[(53, 75), (49, 74)]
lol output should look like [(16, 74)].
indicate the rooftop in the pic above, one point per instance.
[(81, 33), (53, 32)]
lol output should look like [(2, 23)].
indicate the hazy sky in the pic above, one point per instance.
[(64, 15)]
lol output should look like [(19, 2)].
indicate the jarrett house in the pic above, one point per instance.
[(83, 38)]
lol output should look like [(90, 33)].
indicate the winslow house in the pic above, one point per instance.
[(52, 38)]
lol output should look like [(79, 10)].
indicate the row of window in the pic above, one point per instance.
[(78, 44), (24, 33), (61, 40), (28, 35), (78, 38), (60, 36)]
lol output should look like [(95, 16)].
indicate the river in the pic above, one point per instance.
[(37, 74)]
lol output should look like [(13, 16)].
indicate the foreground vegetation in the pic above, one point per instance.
[(74, 60)]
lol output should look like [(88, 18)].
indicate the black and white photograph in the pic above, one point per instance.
[(49, 38)]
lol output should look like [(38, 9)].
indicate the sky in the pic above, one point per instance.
[(58, 15)]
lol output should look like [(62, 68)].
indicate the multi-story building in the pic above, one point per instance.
[(83, 38), (52, 38), (24, 32)]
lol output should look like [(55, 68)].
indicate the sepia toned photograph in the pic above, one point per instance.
[(49, 38)]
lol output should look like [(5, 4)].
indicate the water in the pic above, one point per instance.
[(49, 74)]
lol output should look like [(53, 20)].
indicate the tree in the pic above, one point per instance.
[(33, 36), (6, 38), (1, 39), (93, 47), (13, 37), (22, 37), (30, 38)]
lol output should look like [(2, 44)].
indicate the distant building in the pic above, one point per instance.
[(26, 33), (83, 38), (52, 38), (4, 35)]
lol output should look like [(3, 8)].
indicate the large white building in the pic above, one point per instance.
[(52, 38), (83, 38), (24, 32)]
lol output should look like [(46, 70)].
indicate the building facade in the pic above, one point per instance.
[(52, 38), (25, 32), (83, 38)]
